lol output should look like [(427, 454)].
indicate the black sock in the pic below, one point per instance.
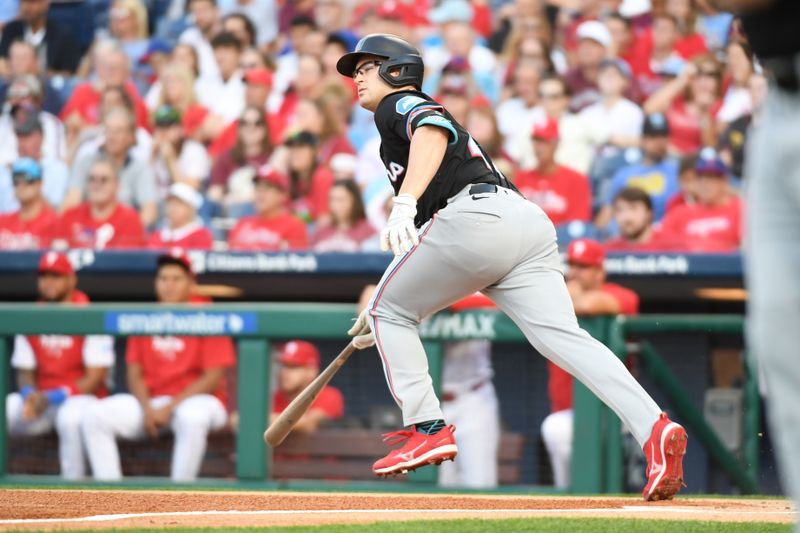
[(430, 427)]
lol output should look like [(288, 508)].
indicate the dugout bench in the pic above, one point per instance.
[(597, 454), (328, 454)]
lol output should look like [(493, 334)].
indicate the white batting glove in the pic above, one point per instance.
[(400, 235), (361, 332)]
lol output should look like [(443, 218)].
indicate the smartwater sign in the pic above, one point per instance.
[(180, 323)]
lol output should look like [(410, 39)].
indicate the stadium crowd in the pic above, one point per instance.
[(223, 123)]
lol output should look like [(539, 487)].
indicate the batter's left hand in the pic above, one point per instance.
[(400, 235)]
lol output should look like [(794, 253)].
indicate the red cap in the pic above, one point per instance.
[(299, 353), (586, 252), (390, 10), (176, 256), (194, 118), (546, 130), (258, 76), (56, 263), (480, 101), (267, 174)]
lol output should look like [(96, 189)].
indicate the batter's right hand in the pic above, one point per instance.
[(361, 332)]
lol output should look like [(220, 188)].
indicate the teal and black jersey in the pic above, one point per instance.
[(397, 117)]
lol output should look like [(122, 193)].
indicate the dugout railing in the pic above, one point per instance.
[(597, 452)]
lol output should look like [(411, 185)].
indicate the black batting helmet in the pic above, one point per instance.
[(397, 54)]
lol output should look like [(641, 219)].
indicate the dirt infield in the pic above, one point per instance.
[(105, 509)]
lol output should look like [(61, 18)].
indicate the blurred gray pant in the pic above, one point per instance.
[(505, 246), (773, 270)]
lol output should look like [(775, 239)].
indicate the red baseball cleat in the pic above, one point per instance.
[(664, 451), (418, 450)]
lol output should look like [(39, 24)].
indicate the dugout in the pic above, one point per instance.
[(520, 375)]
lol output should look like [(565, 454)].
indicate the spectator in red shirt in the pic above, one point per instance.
[(113, 70), (32, 226), (184, 229), (632, 209), (59, 376), (691, 102), (714, 222), (591, 295), (257, 88), (137, 182), (175, 383), (561, 192), (657, 55), (348, 227), (233, 171), (310, 180), (101, 222), (274, 227), (300, 362), (691, 43)]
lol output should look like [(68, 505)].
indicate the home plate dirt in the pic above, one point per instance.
[(106, 509)]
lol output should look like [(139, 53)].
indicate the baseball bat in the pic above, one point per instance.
[(282, 426)]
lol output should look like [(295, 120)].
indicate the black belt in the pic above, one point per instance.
[(481, 188), (783, 69)]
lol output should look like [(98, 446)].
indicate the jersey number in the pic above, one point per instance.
[(395, 171), (475, 151)]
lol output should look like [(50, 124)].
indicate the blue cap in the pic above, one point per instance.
[(620, 64), (655, 124), (157, 46), (452, 11), (27, 167), (709, 163), (672, 67)]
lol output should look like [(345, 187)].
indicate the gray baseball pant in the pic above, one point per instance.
[(505, 246), (773, 271)]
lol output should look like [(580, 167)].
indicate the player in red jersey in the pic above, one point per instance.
[(59, 376), (273, 227), (101, 222), (591, 295), (561, 192), (32, 226), (299, 366), (176, 383)]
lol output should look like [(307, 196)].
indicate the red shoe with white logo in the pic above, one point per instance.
[(418, 450), (664, 451)]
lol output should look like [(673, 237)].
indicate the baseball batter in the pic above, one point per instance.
[(458, 226)]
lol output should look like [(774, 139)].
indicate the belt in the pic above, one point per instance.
[(783, 69), (449, 396), (480, 188)]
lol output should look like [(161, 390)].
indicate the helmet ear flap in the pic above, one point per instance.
[(411, 71)]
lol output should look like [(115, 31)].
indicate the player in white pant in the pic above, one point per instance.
[(176, 383), (122, 416), (65, 419), (470, 403), (58, 375)]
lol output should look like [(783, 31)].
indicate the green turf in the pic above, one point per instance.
[(571, 525)]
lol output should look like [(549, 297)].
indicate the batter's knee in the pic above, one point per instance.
[(390, 308)]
